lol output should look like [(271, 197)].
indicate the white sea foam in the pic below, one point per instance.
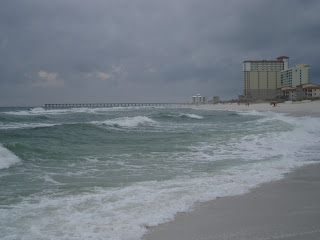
[(59, 111), (49, 179), (252, 112), (7, 158), (25, 125), (127, 122), (38, 111), (186, 115), (295, 144), (194, 116), (124, 213)]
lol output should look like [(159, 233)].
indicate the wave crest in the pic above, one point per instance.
[(26, 125), (193, 116), (127, 122), (59, 111), (7, 158)]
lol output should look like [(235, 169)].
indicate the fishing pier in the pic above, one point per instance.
[(76, 105)]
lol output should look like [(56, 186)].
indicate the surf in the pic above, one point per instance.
[(7, 158)]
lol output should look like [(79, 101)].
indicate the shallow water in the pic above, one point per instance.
[(109, 173)]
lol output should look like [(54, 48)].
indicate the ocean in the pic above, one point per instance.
[(111, 173)]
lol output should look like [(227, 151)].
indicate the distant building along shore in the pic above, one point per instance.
[(271, 79), (197, 99), (261, 78)]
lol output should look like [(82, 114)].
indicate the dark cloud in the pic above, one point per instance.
[(143, 50)]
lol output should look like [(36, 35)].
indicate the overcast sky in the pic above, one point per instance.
[(69, 51)]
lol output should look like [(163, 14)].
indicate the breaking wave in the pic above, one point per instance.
[(59, 111), (194, 116), (127, 122), (25, 125), (7, 158), (261, 148)]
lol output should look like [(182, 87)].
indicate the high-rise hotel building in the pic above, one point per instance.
[(262, 78)]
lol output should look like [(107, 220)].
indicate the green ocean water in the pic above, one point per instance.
[(108, 173)]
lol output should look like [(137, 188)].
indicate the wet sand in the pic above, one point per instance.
[(285, 209)]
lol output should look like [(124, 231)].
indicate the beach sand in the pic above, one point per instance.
[(295, 108), (284, 209)]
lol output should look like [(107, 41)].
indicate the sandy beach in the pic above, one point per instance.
[(284, 209), (293, 108)]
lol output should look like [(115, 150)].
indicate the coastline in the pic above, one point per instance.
[(297, 109), (285, 209)]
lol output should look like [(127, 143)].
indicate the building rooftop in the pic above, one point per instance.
[(263, 61), (285, 89), (302, 65), (279, 59), (312, 87), (282, 57)]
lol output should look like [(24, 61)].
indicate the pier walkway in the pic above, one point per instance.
[(75, 105)]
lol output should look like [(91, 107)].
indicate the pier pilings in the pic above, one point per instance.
[(79, 105)]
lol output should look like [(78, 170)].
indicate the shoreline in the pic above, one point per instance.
[(297, 109), (284, 209), (288, 208)]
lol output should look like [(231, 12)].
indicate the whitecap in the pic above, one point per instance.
[(37, 110), (49, 179), (194, 116), (25, 125), (59, 111), (7, 158), (127, 122)]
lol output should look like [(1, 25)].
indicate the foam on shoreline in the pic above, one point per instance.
[(284, 209)]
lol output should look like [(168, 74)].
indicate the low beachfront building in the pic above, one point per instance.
[(308, 90), (289, 93), (300, 92)]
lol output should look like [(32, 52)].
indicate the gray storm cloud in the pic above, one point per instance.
[(103, 51)]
